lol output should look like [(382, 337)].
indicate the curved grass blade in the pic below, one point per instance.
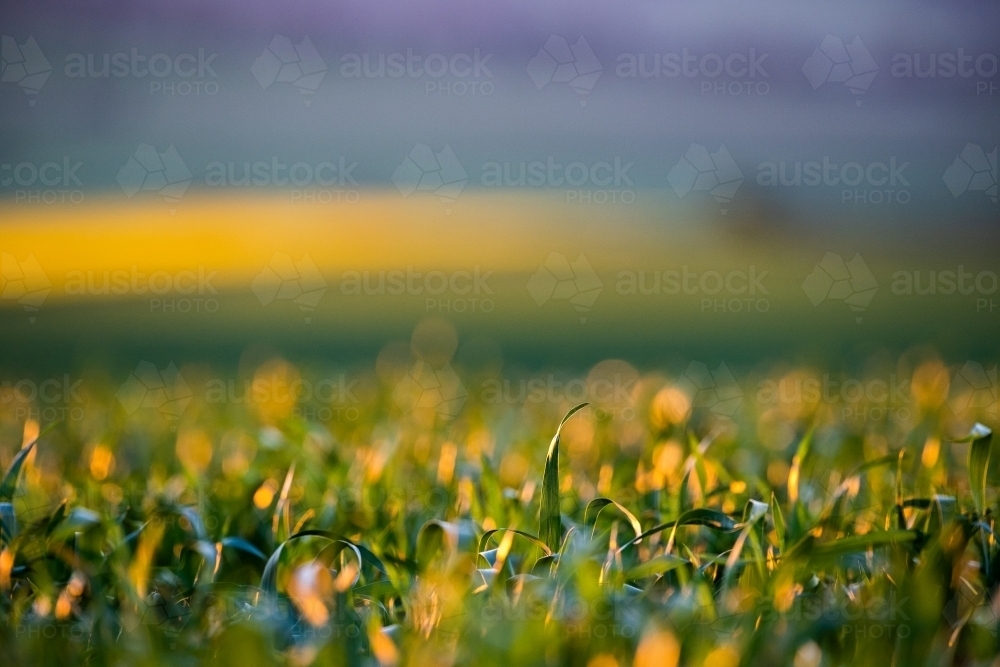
[(754, 512), (485, 539), (240, 544), (376, 589), (9, 483), (436, 536), (654, 567), (779, 522), (269, 579), (598, 504), (979, 461), (697, 517), (550, 522), (808, 548), (795, 473)]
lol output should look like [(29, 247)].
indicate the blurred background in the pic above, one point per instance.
[(683, 187)]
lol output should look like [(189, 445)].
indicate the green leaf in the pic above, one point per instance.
[(979, 462), (8, 522), (779, 522), (9, 484), (697, 517), (549, 520), (655, 567), (846, 545), (795, 473), (240, 544), (808, 548), (376, 589), (269, 579), (598, 504), (754, 512), (485, 539), (436, 536)]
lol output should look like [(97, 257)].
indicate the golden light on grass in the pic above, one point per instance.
[(275, 391), (102, 463), (139, 568), (375, 459), (513, 469), (239, 453), (668, 458), (383, 648), (446, 464), (64, 605), (604, 479), (42, 606), (347, 577), (808, 655), (930, 383), (603, 660), (670, 406), (112, 493), (932, 448), (264, 495), (777, 474), (194, 450), (6, 565), (657, 648), (308, 587), (723, 656)]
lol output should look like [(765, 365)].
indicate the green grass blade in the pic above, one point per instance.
[(549, 521), (9, 484), (655, 567), (598, 504), (979, 461), (779, 522)]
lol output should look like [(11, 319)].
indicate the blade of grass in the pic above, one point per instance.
[(979, 461), (550, 522)]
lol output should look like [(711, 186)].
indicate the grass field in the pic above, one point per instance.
[(653, 527)]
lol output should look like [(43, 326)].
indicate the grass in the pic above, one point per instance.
[(679, 537)]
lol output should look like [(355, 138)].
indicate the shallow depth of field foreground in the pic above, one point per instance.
[(684, 526), (506, 333)]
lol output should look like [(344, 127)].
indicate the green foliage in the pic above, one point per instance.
[(349, 554)]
